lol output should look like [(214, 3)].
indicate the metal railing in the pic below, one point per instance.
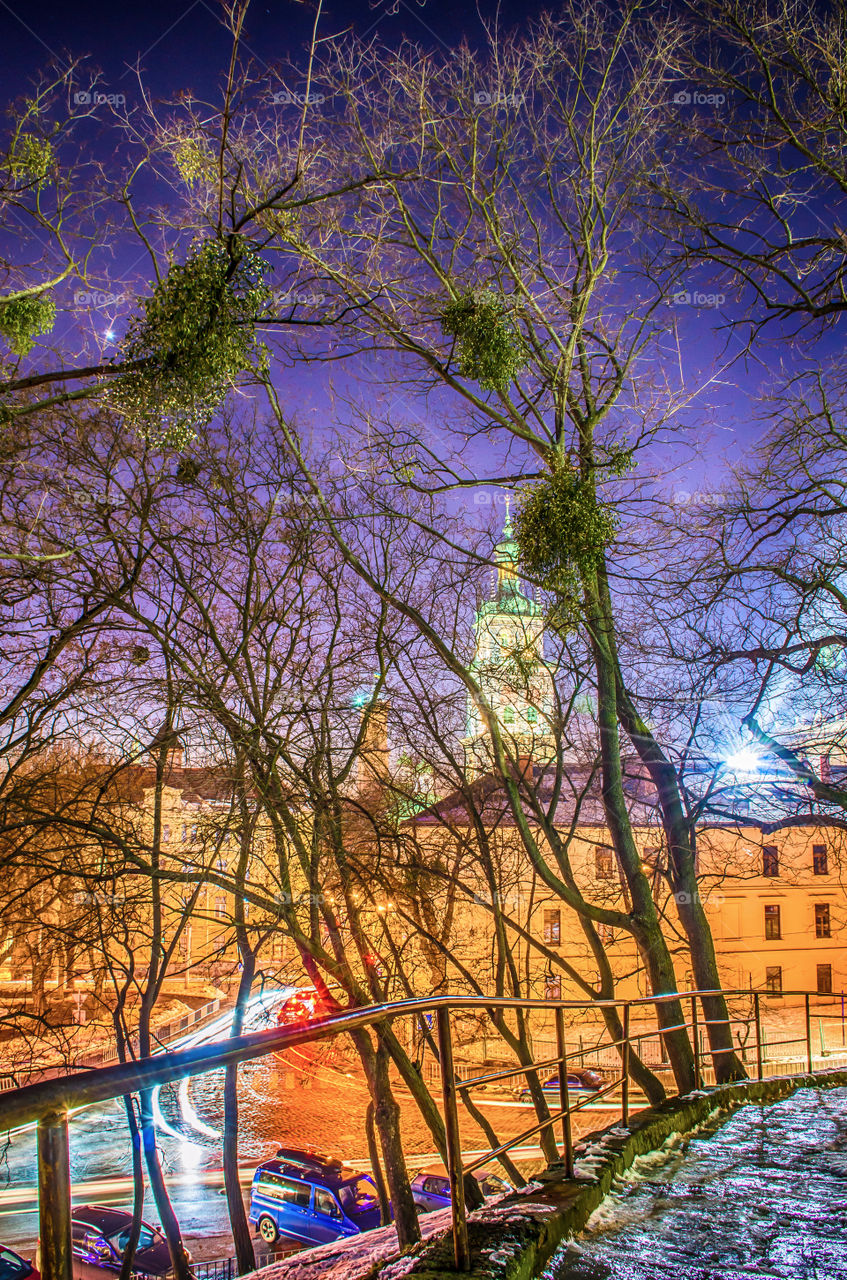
[(48, 1102)]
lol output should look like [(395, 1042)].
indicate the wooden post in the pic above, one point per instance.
[(455, 1172), (567, 1138), (758, 1015), (54, 1197), (808, 1036), (625, 1067)]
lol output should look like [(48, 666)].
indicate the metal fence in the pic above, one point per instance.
[(49, 1101)]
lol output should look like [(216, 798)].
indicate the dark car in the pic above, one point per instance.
[(432, 1190), (586, 1081), (14, 1267), (100, 1235), (311, 1198)]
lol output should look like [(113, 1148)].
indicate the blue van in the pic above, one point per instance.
[(311, 1199)]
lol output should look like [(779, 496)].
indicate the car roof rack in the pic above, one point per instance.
[(296, 1157)]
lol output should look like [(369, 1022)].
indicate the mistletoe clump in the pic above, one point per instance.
[(23, 319), (193, 159), (489, 346), (31, 159), (562, 532), (196, 334)]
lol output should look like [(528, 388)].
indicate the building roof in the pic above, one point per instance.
[(579, 798)]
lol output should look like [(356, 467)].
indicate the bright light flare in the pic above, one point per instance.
[(743, 760)]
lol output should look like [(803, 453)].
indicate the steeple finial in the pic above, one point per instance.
[(507, 527)]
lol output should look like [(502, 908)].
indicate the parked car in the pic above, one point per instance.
[(99, 1236), (585, 1081), (432, 1190), (311, 1198), (14, 1267)]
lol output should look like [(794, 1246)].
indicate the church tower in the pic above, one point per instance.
[(510, 669)]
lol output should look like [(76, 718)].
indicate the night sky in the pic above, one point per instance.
[(183, 46)]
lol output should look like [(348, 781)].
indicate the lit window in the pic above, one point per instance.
[(820, 860), (220, 907), (824, 979), (553, 926), (532, 715), (823, 927), (773, 978), (604, 863), (770, 860), (772, 923)]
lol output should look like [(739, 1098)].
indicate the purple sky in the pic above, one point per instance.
[(182, 46)]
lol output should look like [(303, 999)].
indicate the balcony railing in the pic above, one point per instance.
[(48, 1102)]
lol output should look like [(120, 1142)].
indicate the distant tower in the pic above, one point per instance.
[(509, 667)]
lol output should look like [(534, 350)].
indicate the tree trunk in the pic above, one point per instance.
[(167, 1217), (242, 1240), (387, 1121), (137, 1191), (683, 874), (646, 927), (426, 1105), (376, 1167)]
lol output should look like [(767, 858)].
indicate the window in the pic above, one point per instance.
[(279, 1188), (824, 979), (436, 1187), (823, 927), (770, 860), (820, 859), (553, 926), (509, 715), (184, 832), (604, 863), (552, 987), (773, 978), (220, 907), (166, 833), (325, 1202), (772, 923), (531, 715), (606, 933)]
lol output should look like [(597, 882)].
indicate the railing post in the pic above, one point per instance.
[(808, 1036), (695, 1036), (567, 1138), (625, 1067), (455, 1172), (54, 1197), (758, 1015)]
